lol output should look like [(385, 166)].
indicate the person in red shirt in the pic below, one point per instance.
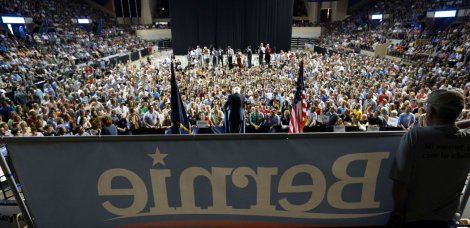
[(382, 97), (267, 55), (422, 95), (202, 116), (264, 109), (89, 69)]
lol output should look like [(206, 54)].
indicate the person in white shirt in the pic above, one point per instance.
[(199, 55), (122, 109), (151, 118), (230, 54), (261, 52), (206, 57)]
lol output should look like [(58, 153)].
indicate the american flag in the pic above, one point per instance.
[(298, 116)]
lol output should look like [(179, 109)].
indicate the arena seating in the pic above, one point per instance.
[(63, 79), (419, 38)]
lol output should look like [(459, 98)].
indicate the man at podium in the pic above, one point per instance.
[(234, 109)]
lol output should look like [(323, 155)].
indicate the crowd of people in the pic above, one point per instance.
[(46, 91), (53, 47), (47, 88), (406, 30), (341, 89)]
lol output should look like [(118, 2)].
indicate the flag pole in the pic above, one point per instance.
[(179, 118), (298, 114)]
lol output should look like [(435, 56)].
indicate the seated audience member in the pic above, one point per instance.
[(393, 121), (151, 118), (134, 120), (273, 121), (363, 123), (285, 120), (256, 120), (333, 117), (122, 125), (108, 127), (339, 122), (49, 130), (406, 120), (35, 133), (217, 118), (347, 117), (376, 119), (312, 117), (203, 117)]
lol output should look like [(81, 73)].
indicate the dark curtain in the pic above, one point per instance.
[(125, 6), (235, 23)]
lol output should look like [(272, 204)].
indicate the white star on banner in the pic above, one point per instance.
[(158, 157)]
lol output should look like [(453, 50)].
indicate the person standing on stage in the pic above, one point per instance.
[(267, 55), (239, 59), (206, 56), (214, 54), (249, 55), (189, 56), (220, 56), (235, 111), (261, 51), (199, 55), (230, 54)]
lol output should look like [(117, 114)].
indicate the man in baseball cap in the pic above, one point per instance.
[(431, 166)]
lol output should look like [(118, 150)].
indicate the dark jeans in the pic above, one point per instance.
[(230, 63)]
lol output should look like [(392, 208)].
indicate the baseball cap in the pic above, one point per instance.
[(447, 98)]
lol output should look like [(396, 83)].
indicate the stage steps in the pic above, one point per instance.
[(297, 42)]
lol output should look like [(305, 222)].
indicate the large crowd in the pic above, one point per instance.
[(342, 89), (406, 30)]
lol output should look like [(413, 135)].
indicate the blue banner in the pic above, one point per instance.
[(179, 119), (247, 180)]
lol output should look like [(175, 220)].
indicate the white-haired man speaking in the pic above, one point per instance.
[(234, 109)]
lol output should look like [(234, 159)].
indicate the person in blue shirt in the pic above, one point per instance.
[(406, 119), (273, 121), (109, 128)]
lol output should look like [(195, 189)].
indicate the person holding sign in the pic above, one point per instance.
[(392, 120), (431, 166)]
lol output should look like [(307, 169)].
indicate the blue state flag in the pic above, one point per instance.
[(179, 118)]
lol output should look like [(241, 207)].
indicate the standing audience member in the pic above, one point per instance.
[(432, 157), (406, 120), (273, 121)]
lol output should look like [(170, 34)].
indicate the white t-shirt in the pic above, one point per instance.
[(151, 118)]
